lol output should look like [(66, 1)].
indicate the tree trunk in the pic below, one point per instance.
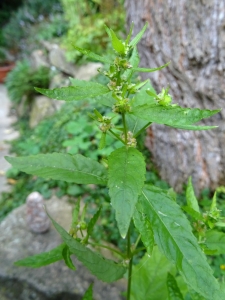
[(190, 34)]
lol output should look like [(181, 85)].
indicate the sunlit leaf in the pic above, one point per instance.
[(42, 259), (126, 178), (92, 55), (116, 43), (137, 38), (192, 202), (73, 93), (172, 115), (61, 166)]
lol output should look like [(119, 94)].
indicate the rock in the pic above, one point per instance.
[(42, 107), (39, 59), (86, 72), (57, 58), (53, 282), (36, 217)]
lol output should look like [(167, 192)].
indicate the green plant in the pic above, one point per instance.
[(81, 15), (19, 31), (151, 210), (21, 80)]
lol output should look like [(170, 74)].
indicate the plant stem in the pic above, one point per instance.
[(116, 135), (125, 127), (129, 278), (107, 247), (142, 129), (136, 243), (130, 257)]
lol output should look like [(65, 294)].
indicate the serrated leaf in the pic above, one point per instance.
[(174, 292), (145, 229), (89, 293), (193, 127), (126, 179), (213, 205), (171, 115), (173, 234), (116, 43), (215, 240), (42, 259), (137, 38), (61, 166), (67, 259), (192, 202), (134, 62), (193, 213), (74, 93), (92, 55), (93, 221), (135, 123), (106, 99), (149, 277), (147, 70), (104, 269)]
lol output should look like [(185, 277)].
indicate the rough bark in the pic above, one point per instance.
[(190, 34)]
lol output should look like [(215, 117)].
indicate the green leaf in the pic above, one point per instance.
[(116, 43), (193, 127), (106, 99), (89, 293), (73, 93), (137, 38), (93, 221), (134, 62), (129, 34), (175, 239), (174, 292), (145, 229), (66, 256), (137, 123), (126, 179), (42, 259), (104, 269), (147, 70), (213, 205), (193, 213), (92, 55), (149, 277), (59, 166), (172, 115), (215, 240), (192, 202)]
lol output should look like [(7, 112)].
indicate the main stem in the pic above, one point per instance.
[(124, 127), (130, 257)]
